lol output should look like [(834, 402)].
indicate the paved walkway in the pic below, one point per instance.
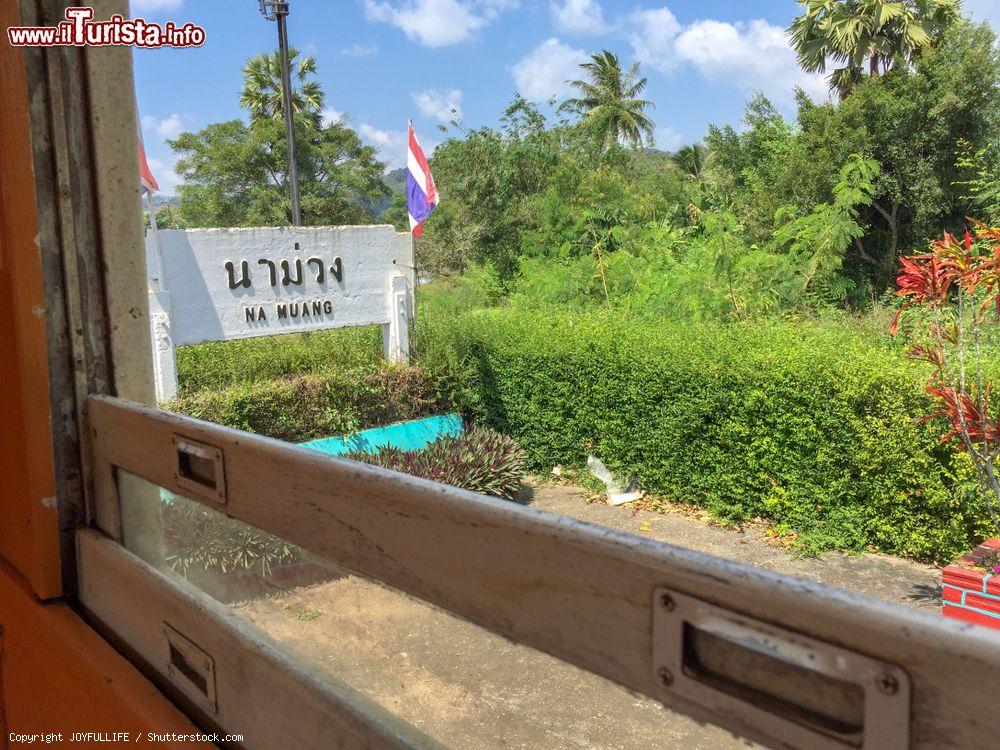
[(471, 689)]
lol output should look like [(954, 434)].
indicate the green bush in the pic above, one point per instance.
[(307, 407), (230, 363), (200, 541), (809, 425), (480, 460)]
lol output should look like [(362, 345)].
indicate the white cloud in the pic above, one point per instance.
[(330, 115), (444, 106), (543, 73), (153, 6), (750, 56), (579, 17), (984, 10), (437, 23), (655, 33), (360, 50), (169, 128), (668, 139), (390, 144)]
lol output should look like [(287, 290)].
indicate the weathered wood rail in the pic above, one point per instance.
[(587, 594)]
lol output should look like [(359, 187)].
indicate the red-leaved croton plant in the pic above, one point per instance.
[(953, 296)]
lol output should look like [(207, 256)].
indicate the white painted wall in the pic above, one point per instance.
[(197, 301)]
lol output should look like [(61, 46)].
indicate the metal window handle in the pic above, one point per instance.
[(200, 469), (190, 667), (801, 691)]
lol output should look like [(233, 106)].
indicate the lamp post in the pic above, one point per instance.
[(277, 10)]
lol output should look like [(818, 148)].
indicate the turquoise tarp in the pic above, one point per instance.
[(407, 436)]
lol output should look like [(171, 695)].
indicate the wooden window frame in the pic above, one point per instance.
[(602, 600)]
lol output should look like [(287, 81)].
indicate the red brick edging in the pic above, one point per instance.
[(970, 594)]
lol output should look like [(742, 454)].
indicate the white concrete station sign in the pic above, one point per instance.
[(222, 284)]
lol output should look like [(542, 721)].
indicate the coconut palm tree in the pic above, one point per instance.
[(860, 34), (262, 92), (691, 160), (609, 102)]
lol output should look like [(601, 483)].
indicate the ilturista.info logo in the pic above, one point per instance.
[(80, 30)]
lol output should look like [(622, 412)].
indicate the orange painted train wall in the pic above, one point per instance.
[(57, 675)]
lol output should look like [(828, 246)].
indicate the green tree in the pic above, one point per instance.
[(860, 34), (609, 102), (692, 160), (167, 217), (819, 240), (980, 179), (908, 119), (262, 94), (489, 177), (235, 174)]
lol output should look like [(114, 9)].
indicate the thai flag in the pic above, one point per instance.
[(421, 194), (145, 176)]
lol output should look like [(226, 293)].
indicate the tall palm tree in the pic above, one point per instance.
[(609, 102), (262, 91), (860, 34)]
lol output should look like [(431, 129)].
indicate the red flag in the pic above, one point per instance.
[(145, 176)]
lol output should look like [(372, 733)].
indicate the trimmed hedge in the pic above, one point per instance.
[(307, 407), (810, 426), (258, 360)]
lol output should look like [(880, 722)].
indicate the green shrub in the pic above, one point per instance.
[(307, 407), (242, 361), (812, 426), (481, 460), (200, 541)]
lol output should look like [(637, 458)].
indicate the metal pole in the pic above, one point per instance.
[(280, 12), (157, 258)]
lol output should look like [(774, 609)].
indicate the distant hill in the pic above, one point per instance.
[(159, 199), (396, 180)]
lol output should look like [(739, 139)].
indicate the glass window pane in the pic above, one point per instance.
[(459, 683)]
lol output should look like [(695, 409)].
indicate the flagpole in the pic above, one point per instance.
[(413, 300), (157, 262)]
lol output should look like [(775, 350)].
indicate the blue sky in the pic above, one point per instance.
[(383, 61)]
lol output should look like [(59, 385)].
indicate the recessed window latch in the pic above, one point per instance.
[(798, 690), (199, 469), (190, 668)]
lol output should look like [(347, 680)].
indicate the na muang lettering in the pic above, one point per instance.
[(299, 311), (315, 308)]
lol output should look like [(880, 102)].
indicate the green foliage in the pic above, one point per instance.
[(487, 180), (235, 173), (199, 541), (556, 191), (981, 183), (307, 407), (909, 119), (609, 102), (167, 217), (812, 426), (866, 33), (481, 460), (818, 241), (222, 364), (262, 94)]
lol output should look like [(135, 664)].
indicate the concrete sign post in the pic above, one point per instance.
[(222, 284)]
